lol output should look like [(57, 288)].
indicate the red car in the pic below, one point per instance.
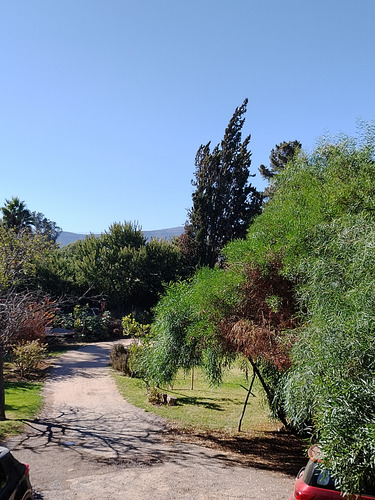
[(314, 483)]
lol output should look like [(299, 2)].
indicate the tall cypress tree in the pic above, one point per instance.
[(224, 201)]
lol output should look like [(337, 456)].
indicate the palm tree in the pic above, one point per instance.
[(16, 215)]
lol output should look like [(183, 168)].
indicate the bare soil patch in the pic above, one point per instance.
[(274, 451)]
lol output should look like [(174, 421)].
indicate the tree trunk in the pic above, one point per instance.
[(279, 413), (2, 388), (246, 400), (192, 378)]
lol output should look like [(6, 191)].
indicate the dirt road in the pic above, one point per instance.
[(90, 444)]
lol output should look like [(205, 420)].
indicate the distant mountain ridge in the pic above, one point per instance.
[(66, 237)]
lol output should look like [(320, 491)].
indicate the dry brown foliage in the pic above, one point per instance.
[(267, 312)]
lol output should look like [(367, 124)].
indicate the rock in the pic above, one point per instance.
[(171, 400)]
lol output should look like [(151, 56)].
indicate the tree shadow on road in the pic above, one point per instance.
[(100, 439)]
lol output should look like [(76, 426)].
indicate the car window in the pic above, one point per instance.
[(320, 478), (323, 478)]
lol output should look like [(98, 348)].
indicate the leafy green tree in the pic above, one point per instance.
[(319, 224), (57, 274), (119, 267), (98, 268), (162, 265), (279, 157), (224, 202), (20, 253), (44, 226), (16, 215), (185, 329), (169, 348)]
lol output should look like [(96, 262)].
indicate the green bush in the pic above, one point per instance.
[(154, 396), (27, 356), (127, 359), (320, 224), (136, 367), (133, 328)]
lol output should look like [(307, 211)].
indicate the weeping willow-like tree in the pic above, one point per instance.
[(185, 329), (320, 224), (298, 296)]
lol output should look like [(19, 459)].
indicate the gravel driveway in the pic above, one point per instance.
[(88, 444)]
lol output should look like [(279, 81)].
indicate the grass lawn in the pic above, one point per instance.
[(23, 400), (205, 408), (209, 416)]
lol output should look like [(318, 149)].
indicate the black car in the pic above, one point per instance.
[(14, 478)]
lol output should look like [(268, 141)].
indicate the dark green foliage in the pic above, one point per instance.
[(45, 227), (119, 267), (224, 202), (57, 274), (87, 325), (279, 158), (16, 215)]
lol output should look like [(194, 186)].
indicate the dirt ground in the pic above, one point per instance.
[(88, 443)]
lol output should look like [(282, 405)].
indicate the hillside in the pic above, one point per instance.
[(66, 237)]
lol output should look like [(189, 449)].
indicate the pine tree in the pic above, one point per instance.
[(279, 157), (224, 202)]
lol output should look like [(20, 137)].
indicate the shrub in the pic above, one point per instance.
[(154, 396), (126, 359), (36, 317), (133, 328), (119, 358), (136, 361), (27, 356)]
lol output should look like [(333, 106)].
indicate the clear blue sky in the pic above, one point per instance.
[(104, 103)]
